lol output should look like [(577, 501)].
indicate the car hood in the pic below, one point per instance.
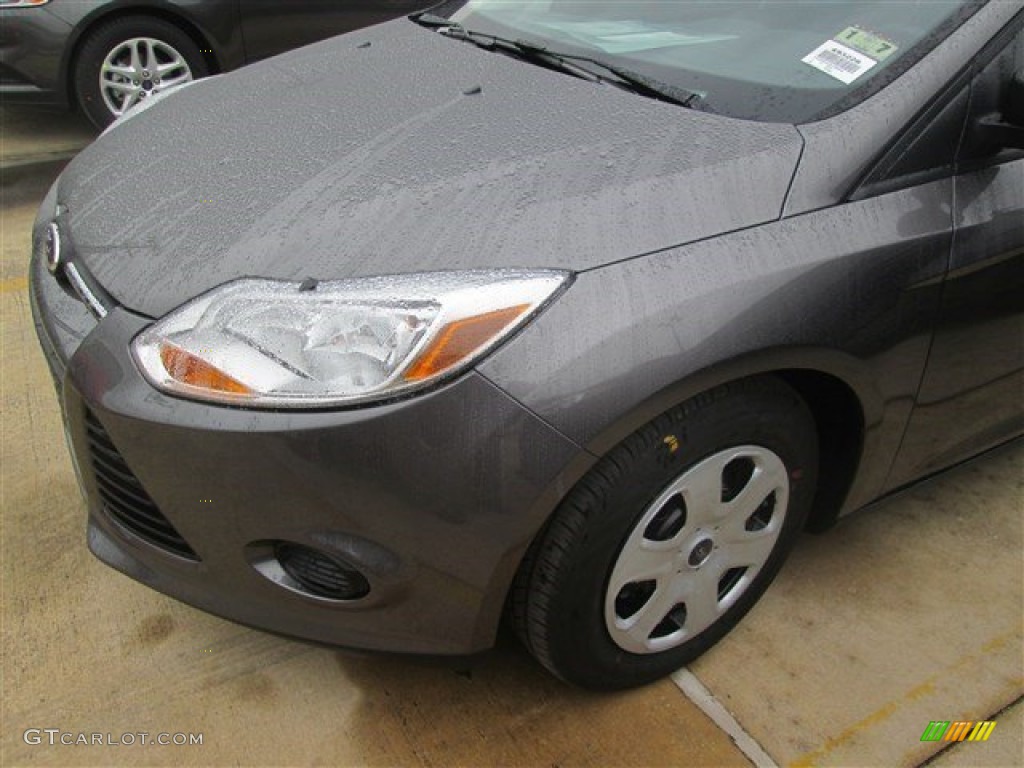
[(396, 150)]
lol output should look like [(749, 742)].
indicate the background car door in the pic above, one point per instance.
[(972, 393), (273, 26)]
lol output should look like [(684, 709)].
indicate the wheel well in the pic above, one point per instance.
[(180, 22), (840, 422)]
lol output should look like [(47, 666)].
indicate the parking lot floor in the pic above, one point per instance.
[(906, 613), (29, 136)]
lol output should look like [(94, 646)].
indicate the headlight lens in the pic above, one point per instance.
[(266, 343)]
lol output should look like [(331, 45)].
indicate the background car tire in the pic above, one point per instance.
[(170, 41), (562, 604)]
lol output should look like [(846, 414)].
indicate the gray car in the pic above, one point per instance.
[(105, 56), (575, 313)]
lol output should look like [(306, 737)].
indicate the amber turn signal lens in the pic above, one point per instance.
[(184, 367), (460, 339)]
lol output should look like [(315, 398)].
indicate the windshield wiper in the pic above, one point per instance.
[(564, 62), (636, 82), (518, 48)]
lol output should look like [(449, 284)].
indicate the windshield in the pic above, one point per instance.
[(770, 60)]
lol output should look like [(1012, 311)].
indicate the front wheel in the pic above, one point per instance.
[(671, 538), (127, 60)]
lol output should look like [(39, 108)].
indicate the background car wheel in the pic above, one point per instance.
[(127, 60), (671, 538)]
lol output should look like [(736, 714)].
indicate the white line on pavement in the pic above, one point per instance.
[(694, 689)]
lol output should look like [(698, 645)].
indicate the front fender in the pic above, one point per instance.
[(851, 292)]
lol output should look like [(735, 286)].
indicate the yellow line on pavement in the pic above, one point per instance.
[(886, 710), (14, 284)]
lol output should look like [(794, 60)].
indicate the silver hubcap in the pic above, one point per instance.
[(696, 549), (138, 68)]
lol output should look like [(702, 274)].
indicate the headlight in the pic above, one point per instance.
[(22, 3), (266, 343)]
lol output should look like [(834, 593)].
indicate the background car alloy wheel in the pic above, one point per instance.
[(671, 538), (137, 68), (127, 60)]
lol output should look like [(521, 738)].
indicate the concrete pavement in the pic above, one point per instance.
[(31, 136), (907, 613)]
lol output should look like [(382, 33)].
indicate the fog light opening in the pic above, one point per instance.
[(319, 573)]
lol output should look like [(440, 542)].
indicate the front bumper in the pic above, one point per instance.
[(433, 499)]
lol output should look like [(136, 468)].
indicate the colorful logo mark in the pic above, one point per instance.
[(959, 730)]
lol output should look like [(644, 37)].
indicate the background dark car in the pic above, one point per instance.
[(103, 56)]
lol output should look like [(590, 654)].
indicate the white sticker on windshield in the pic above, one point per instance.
[(838, 61)]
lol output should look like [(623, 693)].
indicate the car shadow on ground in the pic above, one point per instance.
[(31, 135)]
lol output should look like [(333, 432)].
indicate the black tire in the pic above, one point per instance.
[(102, 40), (558, 601)]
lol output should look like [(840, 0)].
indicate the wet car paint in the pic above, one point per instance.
[(533, 171), (656, 314), (38, 45)]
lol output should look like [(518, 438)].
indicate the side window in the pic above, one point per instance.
[(997, 99), (927, 149), (951, 136)]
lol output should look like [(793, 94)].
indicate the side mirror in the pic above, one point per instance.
[(1006, 130), (1013, 102)]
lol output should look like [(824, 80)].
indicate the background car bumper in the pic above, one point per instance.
[(433, 499)]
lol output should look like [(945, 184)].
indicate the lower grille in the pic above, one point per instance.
[(124, 498)]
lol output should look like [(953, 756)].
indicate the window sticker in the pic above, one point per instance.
[(839, 61), (875, 46)]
